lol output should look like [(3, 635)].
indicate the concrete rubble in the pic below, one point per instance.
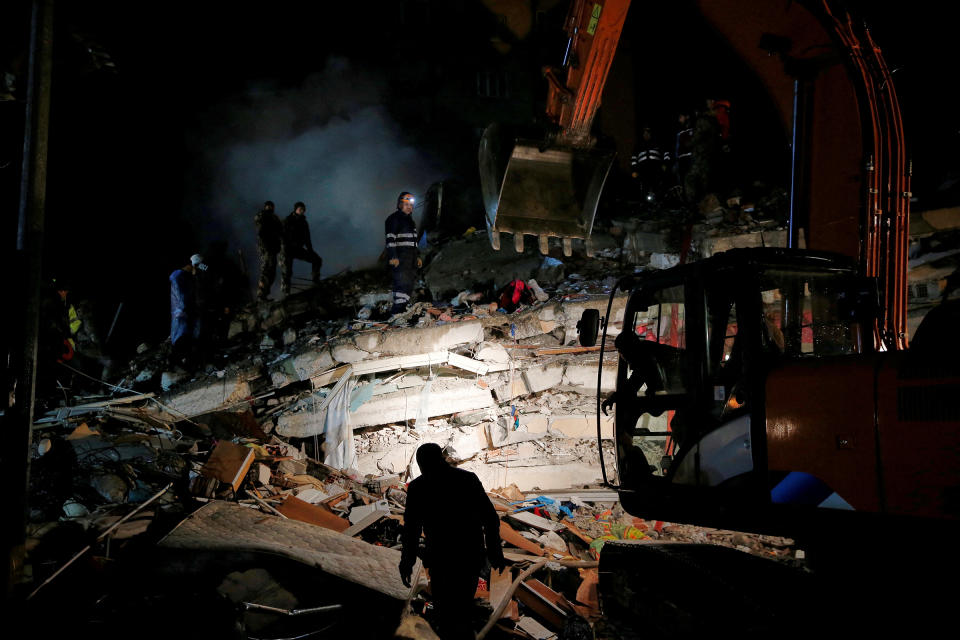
[(298, 440)]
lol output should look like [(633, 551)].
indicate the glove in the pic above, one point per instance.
[(406, 573), (498, 563), (609, 402)]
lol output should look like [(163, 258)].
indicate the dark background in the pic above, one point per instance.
[(171, 123)]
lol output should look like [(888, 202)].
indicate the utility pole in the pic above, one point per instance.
[(18, 420)]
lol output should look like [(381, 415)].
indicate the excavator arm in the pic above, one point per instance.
[(550, 186)]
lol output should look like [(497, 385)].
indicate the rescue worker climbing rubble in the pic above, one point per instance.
[(297, 245), (402, 253), (458, 540)]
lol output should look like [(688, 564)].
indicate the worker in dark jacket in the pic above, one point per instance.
[(184, 312), (402, 254), (297, 245), (269, 239), (461, 530)]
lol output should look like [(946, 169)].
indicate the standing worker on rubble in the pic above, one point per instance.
[(461, 529), (402, 254), (296, 244), (269, 239), (184, 312)]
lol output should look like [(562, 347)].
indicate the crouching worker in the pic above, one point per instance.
[(458, 540)]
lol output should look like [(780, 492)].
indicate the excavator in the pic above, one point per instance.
[(776, 391), (550, 186)]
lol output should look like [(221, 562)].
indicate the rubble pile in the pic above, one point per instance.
[(297, 439)]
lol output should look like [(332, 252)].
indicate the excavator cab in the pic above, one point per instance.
[(697, 345)]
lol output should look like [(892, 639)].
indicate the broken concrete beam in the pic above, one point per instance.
[(304, 365), (501, 433), (466, 443), (400, 362), (346, 352), (582, 378), (205, 396), (543, 378), (492, 352), (425, 340), (468, 364), (510, 386), (368, 340), (446, 396)]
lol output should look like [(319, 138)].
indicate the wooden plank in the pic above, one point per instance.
[(499, 585), (229, 463), (333, 501), (552, 351), (297, 509), (543, 607)]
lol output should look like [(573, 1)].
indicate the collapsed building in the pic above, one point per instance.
[(284, 462)]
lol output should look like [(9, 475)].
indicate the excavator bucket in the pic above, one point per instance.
[(540, 192)]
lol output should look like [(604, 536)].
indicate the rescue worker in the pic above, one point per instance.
[(184, 312), (704, 146), (269, 240), (402, 253), (461, 530), (648, 164), (683, 149), (296, 244)]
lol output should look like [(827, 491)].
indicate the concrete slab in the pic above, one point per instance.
[(437, 338), (581, 425), (543, 378), (348, 353), (312, 361), (368, 340), (446, 396), (582, 378), (206, 396)]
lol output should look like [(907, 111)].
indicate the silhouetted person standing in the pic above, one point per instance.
[(269, 238), (460, 529), (297, 245)]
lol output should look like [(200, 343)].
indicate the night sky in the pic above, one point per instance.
[(207, 110)]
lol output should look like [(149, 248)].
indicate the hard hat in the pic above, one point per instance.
[(197, 261), (405, 196)]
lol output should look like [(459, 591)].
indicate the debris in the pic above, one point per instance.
[(296, 509), (228, 463)]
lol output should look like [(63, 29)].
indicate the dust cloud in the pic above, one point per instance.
[(330, 143)]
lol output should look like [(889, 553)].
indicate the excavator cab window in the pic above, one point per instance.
[(811, 314), (725, 356), (652, 381)]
